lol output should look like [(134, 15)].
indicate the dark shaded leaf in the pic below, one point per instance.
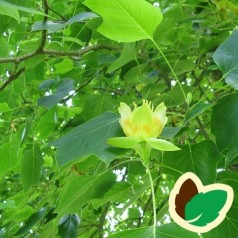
[(68, 226), (50, 101), (57, 26), (201, 158), (33, 220), (224, 125), (226, 57), (196, 110), (89, 138)]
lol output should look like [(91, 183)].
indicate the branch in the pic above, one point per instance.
[(12, 78), (76, 53), (44, 32)]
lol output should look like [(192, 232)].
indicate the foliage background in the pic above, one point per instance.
[(61, 82)]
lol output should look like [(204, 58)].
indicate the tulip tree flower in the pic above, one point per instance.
[(142, 126)]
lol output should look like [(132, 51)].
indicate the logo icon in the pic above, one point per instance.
[(196, 207)]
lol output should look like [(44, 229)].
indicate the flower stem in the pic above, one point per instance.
[(153, 201)]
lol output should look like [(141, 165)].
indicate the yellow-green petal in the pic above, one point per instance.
[(124, 142), (160, 144)]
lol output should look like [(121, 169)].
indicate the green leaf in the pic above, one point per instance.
[(226, 57), (11, 10), (64, 66), (170, 132), (123, 142), (68, 226), (19, 215), (4, 47), (174, 97), (160, 144), (4, 107), (229, 227), (89, 138), (224, 125), (125, 20), (8, 9), (82, 190), (46, 124), (7, 204), (117, 193), (33, 220), (52, 26), (201, 158), (205, 207), (10, 154), (163, 231), (128, 54), (31, 166), (196, 110), (50, 101)]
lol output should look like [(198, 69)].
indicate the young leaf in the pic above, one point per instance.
[(126, 20), (205, 207)]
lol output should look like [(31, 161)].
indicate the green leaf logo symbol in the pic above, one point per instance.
[(196, 207)]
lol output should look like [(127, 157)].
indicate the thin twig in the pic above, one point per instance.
[(78, 89), (12, 78), (102, 220), (203, 129), (63, 18)]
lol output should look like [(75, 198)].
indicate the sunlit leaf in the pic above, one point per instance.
[(126, 20)]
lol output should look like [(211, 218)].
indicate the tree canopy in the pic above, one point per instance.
[(65, 67)]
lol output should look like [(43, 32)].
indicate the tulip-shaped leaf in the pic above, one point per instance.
[(126, 20), (205, 207), (89, 138)]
